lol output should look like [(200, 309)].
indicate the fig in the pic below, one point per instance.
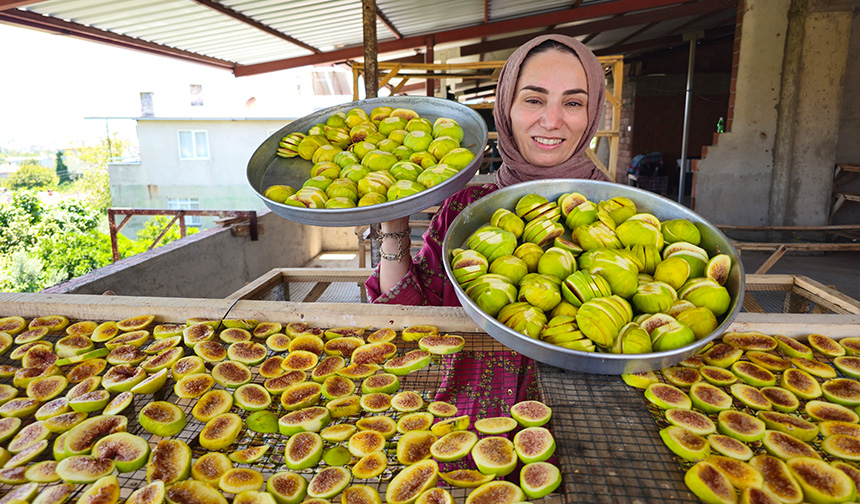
[(381, 424), (382, 335), (29, 435), (822, 411), (849, 366), (76, 345), (539, 479), (820, 481), (842, 447), (212, 404), (495, 425), (413, 446), (365, 442), (709, 398), (13, 476), (414, 421), (264, 422), (231, 374), (370, 466), (680, 376), (327, 367), (234, 334), (122, 378), (507, 220), (84, 469), (700, 320), (39, 356), (442, 409), (104, 491), (193, 492), (361, 494), (792, 347), (850, 470), (211, 351), (287, 487), (785, 446), (19, 407), (247, 352), (221, 431), (375, 402), (751, 340), (371, 198), (525, 318), (41, 472), (496, 492), (45, 388), (22, 493), (436, 495), (152, 493), (717, 376), (303, 450), (65, 421), (673, 271), (750, 397), (729, 447), (709, 483), (447, 127), (162, 418), (338, 433), (165, 331), (684, 443), (788, 424), (407, 401), (50, 322), (328, 482), (831, 428), (842, 391), (654, 297), (825, 346), (81, 438), (8, 427), (450, 425), (311, 419), (740, 426), (281, 383), (768, 361), (19, 352), (301, 360), (134, 338), (718, 268), (187, 366), (119, 403), (373, 353), (408, 362), (753, 374), (129, 451), (534, 444), (151, 384), (125, 354), (7, 392), (466, 478), (211, 467), (411, 481), (252, 397), (781, 399), (162, 360), (800, 383), (494, 455), (12, 325), (301, 395), (667, 396), (813, 367)]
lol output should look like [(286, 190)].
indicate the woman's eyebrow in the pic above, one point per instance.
[(539, 89)]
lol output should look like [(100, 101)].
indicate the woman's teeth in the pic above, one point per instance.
[(547, 141)]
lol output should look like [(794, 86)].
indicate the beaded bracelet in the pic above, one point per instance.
[(400, 250)]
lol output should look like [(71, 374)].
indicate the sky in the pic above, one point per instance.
[(50, 84)]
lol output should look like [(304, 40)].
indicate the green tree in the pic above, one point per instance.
[(95, 181), (33, 176), (61, 169), (154, 226)]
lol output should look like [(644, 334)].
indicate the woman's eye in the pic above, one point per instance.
[(532, 101), (574, 104)]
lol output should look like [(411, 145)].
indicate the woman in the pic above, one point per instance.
[(549, 103)]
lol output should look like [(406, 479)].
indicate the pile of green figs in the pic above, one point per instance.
[(361, 160), (623, 282)]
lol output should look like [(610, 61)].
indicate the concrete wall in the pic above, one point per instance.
[(775, 165), (848, 146), (212, 263)]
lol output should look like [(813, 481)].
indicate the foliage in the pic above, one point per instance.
[(61, 169), (33, 176), (154, 226), (95, 182)]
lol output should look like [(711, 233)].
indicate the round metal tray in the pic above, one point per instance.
[(479, 213), (266, 168)]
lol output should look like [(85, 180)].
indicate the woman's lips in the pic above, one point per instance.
[(548, 142)]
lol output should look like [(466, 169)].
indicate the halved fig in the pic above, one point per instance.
[(197, 333), (22, 493), (134, 338), (800, 383), (162, 360), (19, 407), (338, 433), (466, 478), (753, 374), (29, 435), (709, 483), (50, 322), (684, 443), (709, 398), (39, 356), (12, 325), (252, 397), (344, 332), (820, 481), (722, 355), (279, 384), (408, 362), (210, 351), (85, 369), (751, 340), (824, 345), (442, 345), (135, 323), (162, 344), (31, 335), (410, 482), (495, 455), (792, 348), (8, 427), (382, 335), (376, 402), (450, 425), (414, 421), (740, 426), (300, 360), (308, 343), (187, 366), (212, 404), (337, 386), (750, 396), (303, 450), (385, 383), (45, 388), (81, 438), (129, 451), (813, 367), (278, 342), (249, 455), (413, 446), (123, 377), (42, 472), (381, 424), (851, 345), (822, 411), (360, 494), (13, 476), (266, 329), (301, 395), (442, 409), (221, 431), (344, 346), (84, 469), (852, 471), (358, 371), (407, 401), (287, 487), (831, 428), (66, 421), (370, 466), (693, 421), (210, 467), (785, 446), (125, 354), (730, 447), (104, 491), (151, 384), (667, 396), (311, 419), (363, 443), (162, 418), (496, 492), (231, 374), (152, 493), (373, 353), (454, 446), (495, 425), (241, 479), (415, 333), (842, 391), (193, 492), (247, 352), (24, 376), (328, 482), (740, 474), (105, 331), (782, 399), (264, 422), (849, 365), (842, 447), (234, 334), (19, 352), (327, 367), (680, 376), (539, 479), (51, 408), (271, 367)]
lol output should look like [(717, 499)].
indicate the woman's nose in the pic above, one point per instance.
[(551, 117)]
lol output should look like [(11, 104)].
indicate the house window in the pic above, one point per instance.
[(193, 144), (331, 83), (186, 204)]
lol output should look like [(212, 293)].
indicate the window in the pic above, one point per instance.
[(186, 204), (193, 144), (331, 83)]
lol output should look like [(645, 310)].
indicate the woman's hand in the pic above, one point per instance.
[(394, 252)]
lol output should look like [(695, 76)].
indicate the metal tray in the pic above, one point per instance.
[(479, 213), (265, 168)]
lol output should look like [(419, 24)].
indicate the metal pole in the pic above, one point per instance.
[(692, 37), (371, 89)]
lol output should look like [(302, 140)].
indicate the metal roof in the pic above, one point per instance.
[(256, 36)]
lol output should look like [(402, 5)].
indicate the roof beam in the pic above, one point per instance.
[(476, 32), (238, 16), (14, 4), (54, 25), (388, 24), (651, 16), (712, 33)]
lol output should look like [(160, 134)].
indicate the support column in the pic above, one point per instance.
[(371, 90)]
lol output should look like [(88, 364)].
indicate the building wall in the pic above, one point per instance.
[(848, 145)]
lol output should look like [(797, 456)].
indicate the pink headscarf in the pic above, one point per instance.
[(514, 167)]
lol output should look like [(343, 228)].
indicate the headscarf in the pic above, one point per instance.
[(514, 167)]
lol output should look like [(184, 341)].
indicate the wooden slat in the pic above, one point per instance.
[(829, 296), (799, 325), (771, 260), (260, 286), (807, 247)]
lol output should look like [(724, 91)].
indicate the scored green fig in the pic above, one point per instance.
[(458, 158), (308, 197), (406, 170), (639, 232), (448, 127), (278, 193), (403, 188), (654, 297), (508, 266), (541, 291), (542, 231), (492, 292), (442, 145), (632, 339), (558, 262), (507, 220), (619, 208), (710, 483), (523, 317), (681, 230), (530, 253), (435, 174), (674, 271), (708, 293)]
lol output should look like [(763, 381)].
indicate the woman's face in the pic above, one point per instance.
[(550, 108)]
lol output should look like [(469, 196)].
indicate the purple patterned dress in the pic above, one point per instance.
[(482, 383)]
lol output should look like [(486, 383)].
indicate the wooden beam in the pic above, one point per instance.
[(14, 4), (388, 24), (767, 265), (669, 41)]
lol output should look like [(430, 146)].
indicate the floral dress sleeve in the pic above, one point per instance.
[(425, 283)]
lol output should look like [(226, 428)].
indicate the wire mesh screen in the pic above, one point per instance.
[(783, 298)]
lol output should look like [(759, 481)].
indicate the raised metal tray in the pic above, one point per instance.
[(479, 213), (265, 168)]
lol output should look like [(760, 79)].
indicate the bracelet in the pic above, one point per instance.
[(400, 250)]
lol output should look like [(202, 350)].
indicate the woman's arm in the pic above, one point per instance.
[(395, 252)]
